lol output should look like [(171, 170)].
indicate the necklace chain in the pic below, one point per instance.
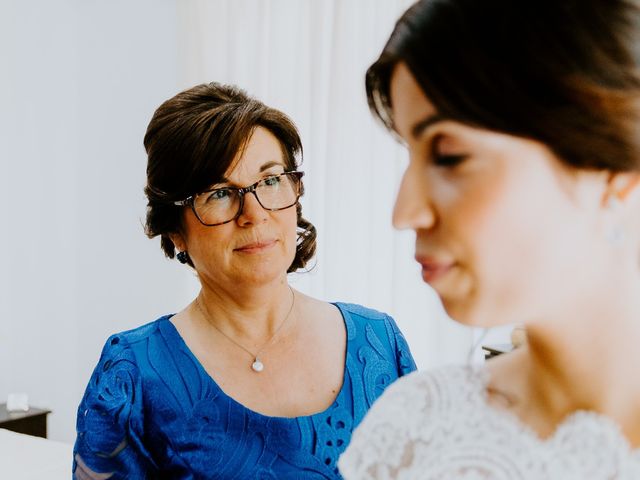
[(257, 365)]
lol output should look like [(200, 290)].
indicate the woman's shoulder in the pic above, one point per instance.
[(379, 331), (120, 349), (364, 321), (140, 333), (129, 350), (361, 312)]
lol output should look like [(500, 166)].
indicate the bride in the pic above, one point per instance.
[(522, 123)]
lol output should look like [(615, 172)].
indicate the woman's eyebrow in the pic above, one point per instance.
[(264, 167), (268, 165), (421, 126)]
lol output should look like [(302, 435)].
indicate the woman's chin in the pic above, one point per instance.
[(457, 314), (260, 275), (463, 312), (469, 314)]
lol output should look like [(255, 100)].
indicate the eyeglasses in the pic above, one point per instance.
[(223, 205)]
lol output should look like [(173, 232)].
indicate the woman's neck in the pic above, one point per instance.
[(253, 313), (587, 359)]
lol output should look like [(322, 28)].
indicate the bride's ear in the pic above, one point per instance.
[(621, 187)]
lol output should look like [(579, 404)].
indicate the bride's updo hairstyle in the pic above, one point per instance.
[(564, 73)]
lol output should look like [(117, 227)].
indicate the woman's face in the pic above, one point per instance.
[(260, 245), (503, 229)]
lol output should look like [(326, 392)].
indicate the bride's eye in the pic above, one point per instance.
[(445, 155)]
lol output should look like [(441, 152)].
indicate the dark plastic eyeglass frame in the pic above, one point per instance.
[(242, 191)]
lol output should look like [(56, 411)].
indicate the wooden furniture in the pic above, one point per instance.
[(491, 351), (32, 422)]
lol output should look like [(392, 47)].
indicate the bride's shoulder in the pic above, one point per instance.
[(417, 398), (450, 383), (417, 407)]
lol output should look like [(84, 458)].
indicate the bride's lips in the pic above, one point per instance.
[(256, 247), (434, 269)]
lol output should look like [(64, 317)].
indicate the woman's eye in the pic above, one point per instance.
[(272, 181), (219, 194), (448, 160), (444, 152)]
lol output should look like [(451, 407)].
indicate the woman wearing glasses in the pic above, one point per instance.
[(522, 122), (252, 379)]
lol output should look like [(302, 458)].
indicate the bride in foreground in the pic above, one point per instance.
[(522, 125)]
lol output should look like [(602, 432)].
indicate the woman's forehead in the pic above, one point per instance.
[(410, 105), (261, 152)]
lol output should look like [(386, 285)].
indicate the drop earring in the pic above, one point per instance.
[(614, 234), (182, 257)]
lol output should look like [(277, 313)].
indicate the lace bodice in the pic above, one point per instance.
[(438, 425)]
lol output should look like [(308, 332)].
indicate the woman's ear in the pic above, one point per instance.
[(621, 201), (621, 186), (179, 241)]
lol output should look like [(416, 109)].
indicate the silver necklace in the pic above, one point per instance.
[(257, 365)]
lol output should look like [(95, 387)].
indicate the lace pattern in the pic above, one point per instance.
[(438, 425)]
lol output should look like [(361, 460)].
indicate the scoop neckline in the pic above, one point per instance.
[(569, 422), (203, 371)]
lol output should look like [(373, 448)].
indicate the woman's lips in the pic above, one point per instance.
[(256, 247), (433, 269)]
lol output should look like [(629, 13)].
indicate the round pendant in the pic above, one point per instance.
[(257, 366)]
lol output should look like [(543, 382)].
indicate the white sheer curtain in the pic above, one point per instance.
[(308, 58), (79, 83)]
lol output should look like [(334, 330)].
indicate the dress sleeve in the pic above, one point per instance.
[(110, 440), (404, 358)]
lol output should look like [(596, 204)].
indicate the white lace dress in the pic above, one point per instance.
[(438, 425)]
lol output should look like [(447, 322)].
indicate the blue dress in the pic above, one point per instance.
[(151, 410)]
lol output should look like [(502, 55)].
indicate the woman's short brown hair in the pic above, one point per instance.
[(563, 72), (192, 141)]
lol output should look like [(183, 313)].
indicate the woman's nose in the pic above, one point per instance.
[(413, 208), (252, 212)]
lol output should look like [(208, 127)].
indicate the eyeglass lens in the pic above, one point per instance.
[(221, 205)]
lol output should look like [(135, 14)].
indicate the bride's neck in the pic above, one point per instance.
[(587, 359)]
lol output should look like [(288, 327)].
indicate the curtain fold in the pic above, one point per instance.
[(308, 58)]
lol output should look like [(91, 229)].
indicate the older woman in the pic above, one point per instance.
[(252, 379), (522, 122)]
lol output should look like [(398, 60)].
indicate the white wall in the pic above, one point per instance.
[(79, 81)]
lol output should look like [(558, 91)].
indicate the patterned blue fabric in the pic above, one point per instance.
[(151, 410)]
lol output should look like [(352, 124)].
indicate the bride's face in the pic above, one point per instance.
[(503, 228)]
